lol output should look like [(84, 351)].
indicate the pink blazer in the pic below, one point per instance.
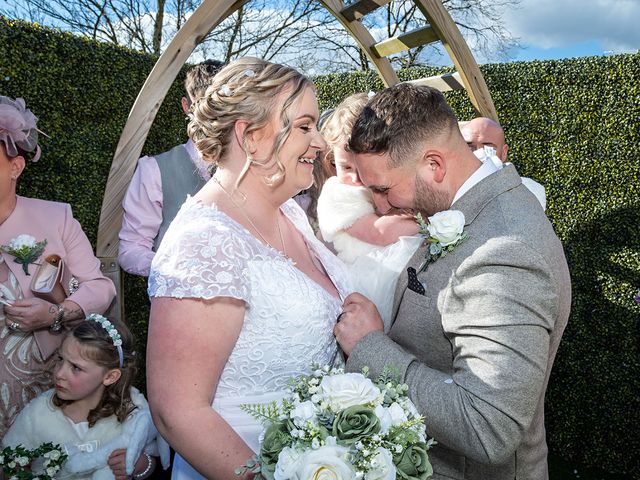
[(54, 222)]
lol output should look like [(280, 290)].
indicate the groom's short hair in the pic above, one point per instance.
[(399, 120)]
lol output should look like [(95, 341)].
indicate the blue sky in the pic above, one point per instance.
[(582, 49), (553, 29)]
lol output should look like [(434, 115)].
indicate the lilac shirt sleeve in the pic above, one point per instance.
[(142, 218)]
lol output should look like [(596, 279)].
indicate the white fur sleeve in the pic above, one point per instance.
[(340, 206), (537, 189)]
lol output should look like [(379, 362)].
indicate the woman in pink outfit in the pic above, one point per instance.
[(31, 328)]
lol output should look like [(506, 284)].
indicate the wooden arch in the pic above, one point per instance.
[(208, 15)]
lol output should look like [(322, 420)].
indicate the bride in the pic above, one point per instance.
[(243, 294)]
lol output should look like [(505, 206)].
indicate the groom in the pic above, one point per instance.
[(475, 332)]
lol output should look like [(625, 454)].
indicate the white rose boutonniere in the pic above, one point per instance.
[(25, 249), (444, 231)]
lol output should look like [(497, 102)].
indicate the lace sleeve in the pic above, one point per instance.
[(201, 256)]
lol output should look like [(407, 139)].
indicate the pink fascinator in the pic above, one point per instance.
[(18, 127)]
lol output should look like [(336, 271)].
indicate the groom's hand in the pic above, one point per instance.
[(359, 318)]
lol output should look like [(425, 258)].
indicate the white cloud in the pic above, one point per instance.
[(561, 23)]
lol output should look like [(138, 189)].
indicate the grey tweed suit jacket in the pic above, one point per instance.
[(477, 348)]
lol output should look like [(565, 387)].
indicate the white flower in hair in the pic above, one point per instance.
[(225, 91), (249, 73)]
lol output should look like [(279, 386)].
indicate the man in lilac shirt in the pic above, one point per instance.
[(160, 185)]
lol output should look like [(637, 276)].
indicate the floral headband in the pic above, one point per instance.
[(112, 331), (18, 127)]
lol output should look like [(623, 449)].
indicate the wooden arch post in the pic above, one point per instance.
[(206, 17)]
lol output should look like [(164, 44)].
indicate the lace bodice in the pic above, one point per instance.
[(289, 318)]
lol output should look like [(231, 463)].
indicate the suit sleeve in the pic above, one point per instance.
[(95, 291), (497, 316)]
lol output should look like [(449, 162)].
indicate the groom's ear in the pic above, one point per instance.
[(432, 165)]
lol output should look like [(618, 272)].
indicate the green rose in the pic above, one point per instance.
[(355, 423), (413, 463), (276, 437)]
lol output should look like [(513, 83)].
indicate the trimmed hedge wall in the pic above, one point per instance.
[(572, 125)]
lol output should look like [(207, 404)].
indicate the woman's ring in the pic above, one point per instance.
[(14, 325), (340, 316)]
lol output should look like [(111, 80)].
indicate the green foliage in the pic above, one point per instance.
[(572, 125), (263, 412)]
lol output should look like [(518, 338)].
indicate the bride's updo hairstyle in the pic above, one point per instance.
[(246, 89)]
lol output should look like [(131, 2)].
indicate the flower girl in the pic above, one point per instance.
[(375, 247), (100, 421)]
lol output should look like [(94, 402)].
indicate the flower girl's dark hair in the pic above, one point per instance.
[(100, 347)]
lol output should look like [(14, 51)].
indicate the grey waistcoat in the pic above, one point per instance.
[(180, 178)]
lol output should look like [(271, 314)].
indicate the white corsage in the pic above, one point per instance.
[(443, 232), (25, 249)]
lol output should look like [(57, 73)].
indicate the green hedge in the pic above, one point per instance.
[(572, 125)]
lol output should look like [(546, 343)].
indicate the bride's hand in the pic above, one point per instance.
[(359, 317)]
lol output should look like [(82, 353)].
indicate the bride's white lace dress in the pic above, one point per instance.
[(289, 318)]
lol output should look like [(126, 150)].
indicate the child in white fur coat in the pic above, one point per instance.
[(375, 247), (101, 422)]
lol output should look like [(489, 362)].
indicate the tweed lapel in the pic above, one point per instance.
[(482, 193), (470, 204), (415, 261)]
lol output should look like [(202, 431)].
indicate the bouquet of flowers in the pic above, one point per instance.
[(341, 426), (17, 463)]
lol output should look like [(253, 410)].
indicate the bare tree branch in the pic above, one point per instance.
[(298, 32)]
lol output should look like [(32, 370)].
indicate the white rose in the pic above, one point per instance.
[(446, 227), (382, 467), (385, 418), (23, 240), (348, 389), (51, 471), (329, 462), (53, 454), (22, 461), (398, 415), (288, 462), (302, 413)]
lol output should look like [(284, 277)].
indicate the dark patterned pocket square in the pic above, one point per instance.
[(414, 284)]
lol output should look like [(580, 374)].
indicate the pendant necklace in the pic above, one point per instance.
[(239, 207)]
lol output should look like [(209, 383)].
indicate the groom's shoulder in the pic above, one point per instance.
[(515, 216)]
